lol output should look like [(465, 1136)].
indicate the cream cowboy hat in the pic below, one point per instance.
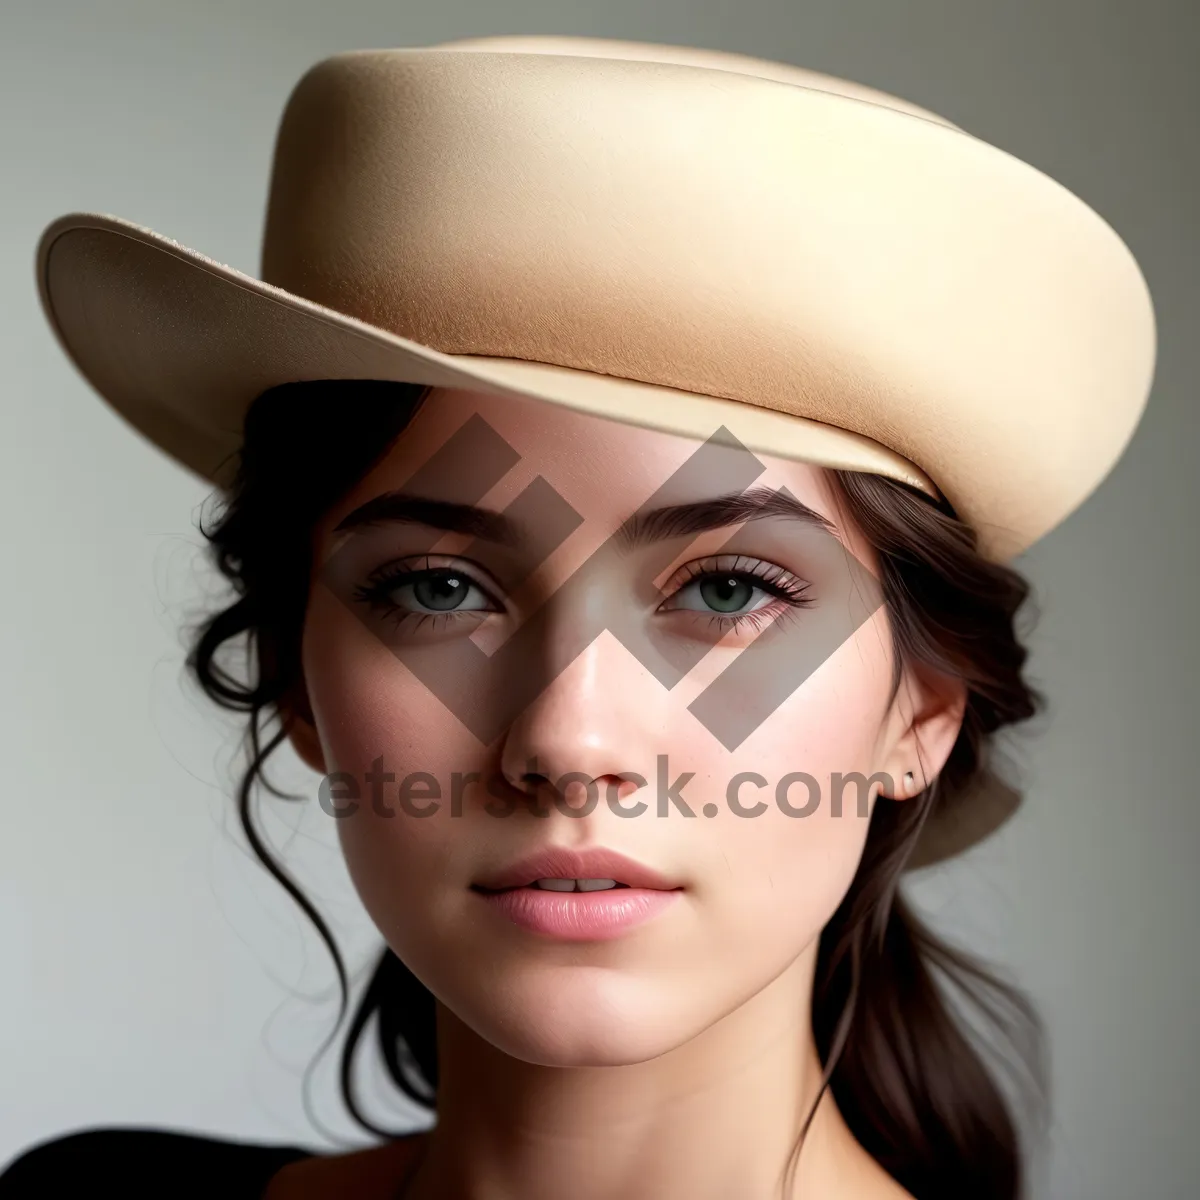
[(679, 238)]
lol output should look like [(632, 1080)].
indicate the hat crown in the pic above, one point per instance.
[(473, 154), (531, 206), (814, 250)]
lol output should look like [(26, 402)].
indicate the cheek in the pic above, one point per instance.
[(366, 704), (796, 856), (380, 725)]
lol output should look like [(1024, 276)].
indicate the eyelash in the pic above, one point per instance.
[(785, 587), (788, 589), (383, 581)]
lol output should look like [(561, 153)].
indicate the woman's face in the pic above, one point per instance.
[(457, 677)]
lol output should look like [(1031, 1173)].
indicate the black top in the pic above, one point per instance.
[(138, 1164)]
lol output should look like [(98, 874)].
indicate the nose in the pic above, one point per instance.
[(594, 726)]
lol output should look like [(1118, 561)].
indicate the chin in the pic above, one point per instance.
[(585, 1018)]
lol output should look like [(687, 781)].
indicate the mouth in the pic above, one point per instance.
[(577, 909), (562, 869), (557, 885)]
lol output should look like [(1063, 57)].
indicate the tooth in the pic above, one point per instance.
[(556, 885), (571, 885)]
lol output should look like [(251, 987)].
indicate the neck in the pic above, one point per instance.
[(719, 1115)]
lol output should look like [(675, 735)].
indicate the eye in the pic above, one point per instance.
[(402, 591), (734, 590), (725, 593)]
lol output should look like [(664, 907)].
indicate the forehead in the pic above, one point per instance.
[(603, 468)]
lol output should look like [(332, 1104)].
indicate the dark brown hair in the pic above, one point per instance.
[(906, 1069)]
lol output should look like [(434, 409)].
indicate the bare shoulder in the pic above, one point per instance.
[(372, 1174)]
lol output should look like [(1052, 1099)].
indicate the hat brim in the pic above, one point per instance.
[(180, 346)]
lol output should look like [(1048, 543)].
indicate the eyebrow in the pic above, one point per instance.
[(406, 509), (643, 528), (719, 512)]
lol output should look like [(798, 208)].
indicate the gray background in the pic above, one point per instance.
[(153, 974)]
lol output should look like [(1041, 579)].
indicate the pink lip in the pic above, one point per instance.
[(580, 916), (559, 862)]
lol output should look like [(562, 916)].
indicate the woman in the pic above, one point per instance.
[(620, 466)]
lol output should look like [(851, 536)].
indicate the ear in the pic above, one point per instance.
[(928, 716), (296, 714)]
